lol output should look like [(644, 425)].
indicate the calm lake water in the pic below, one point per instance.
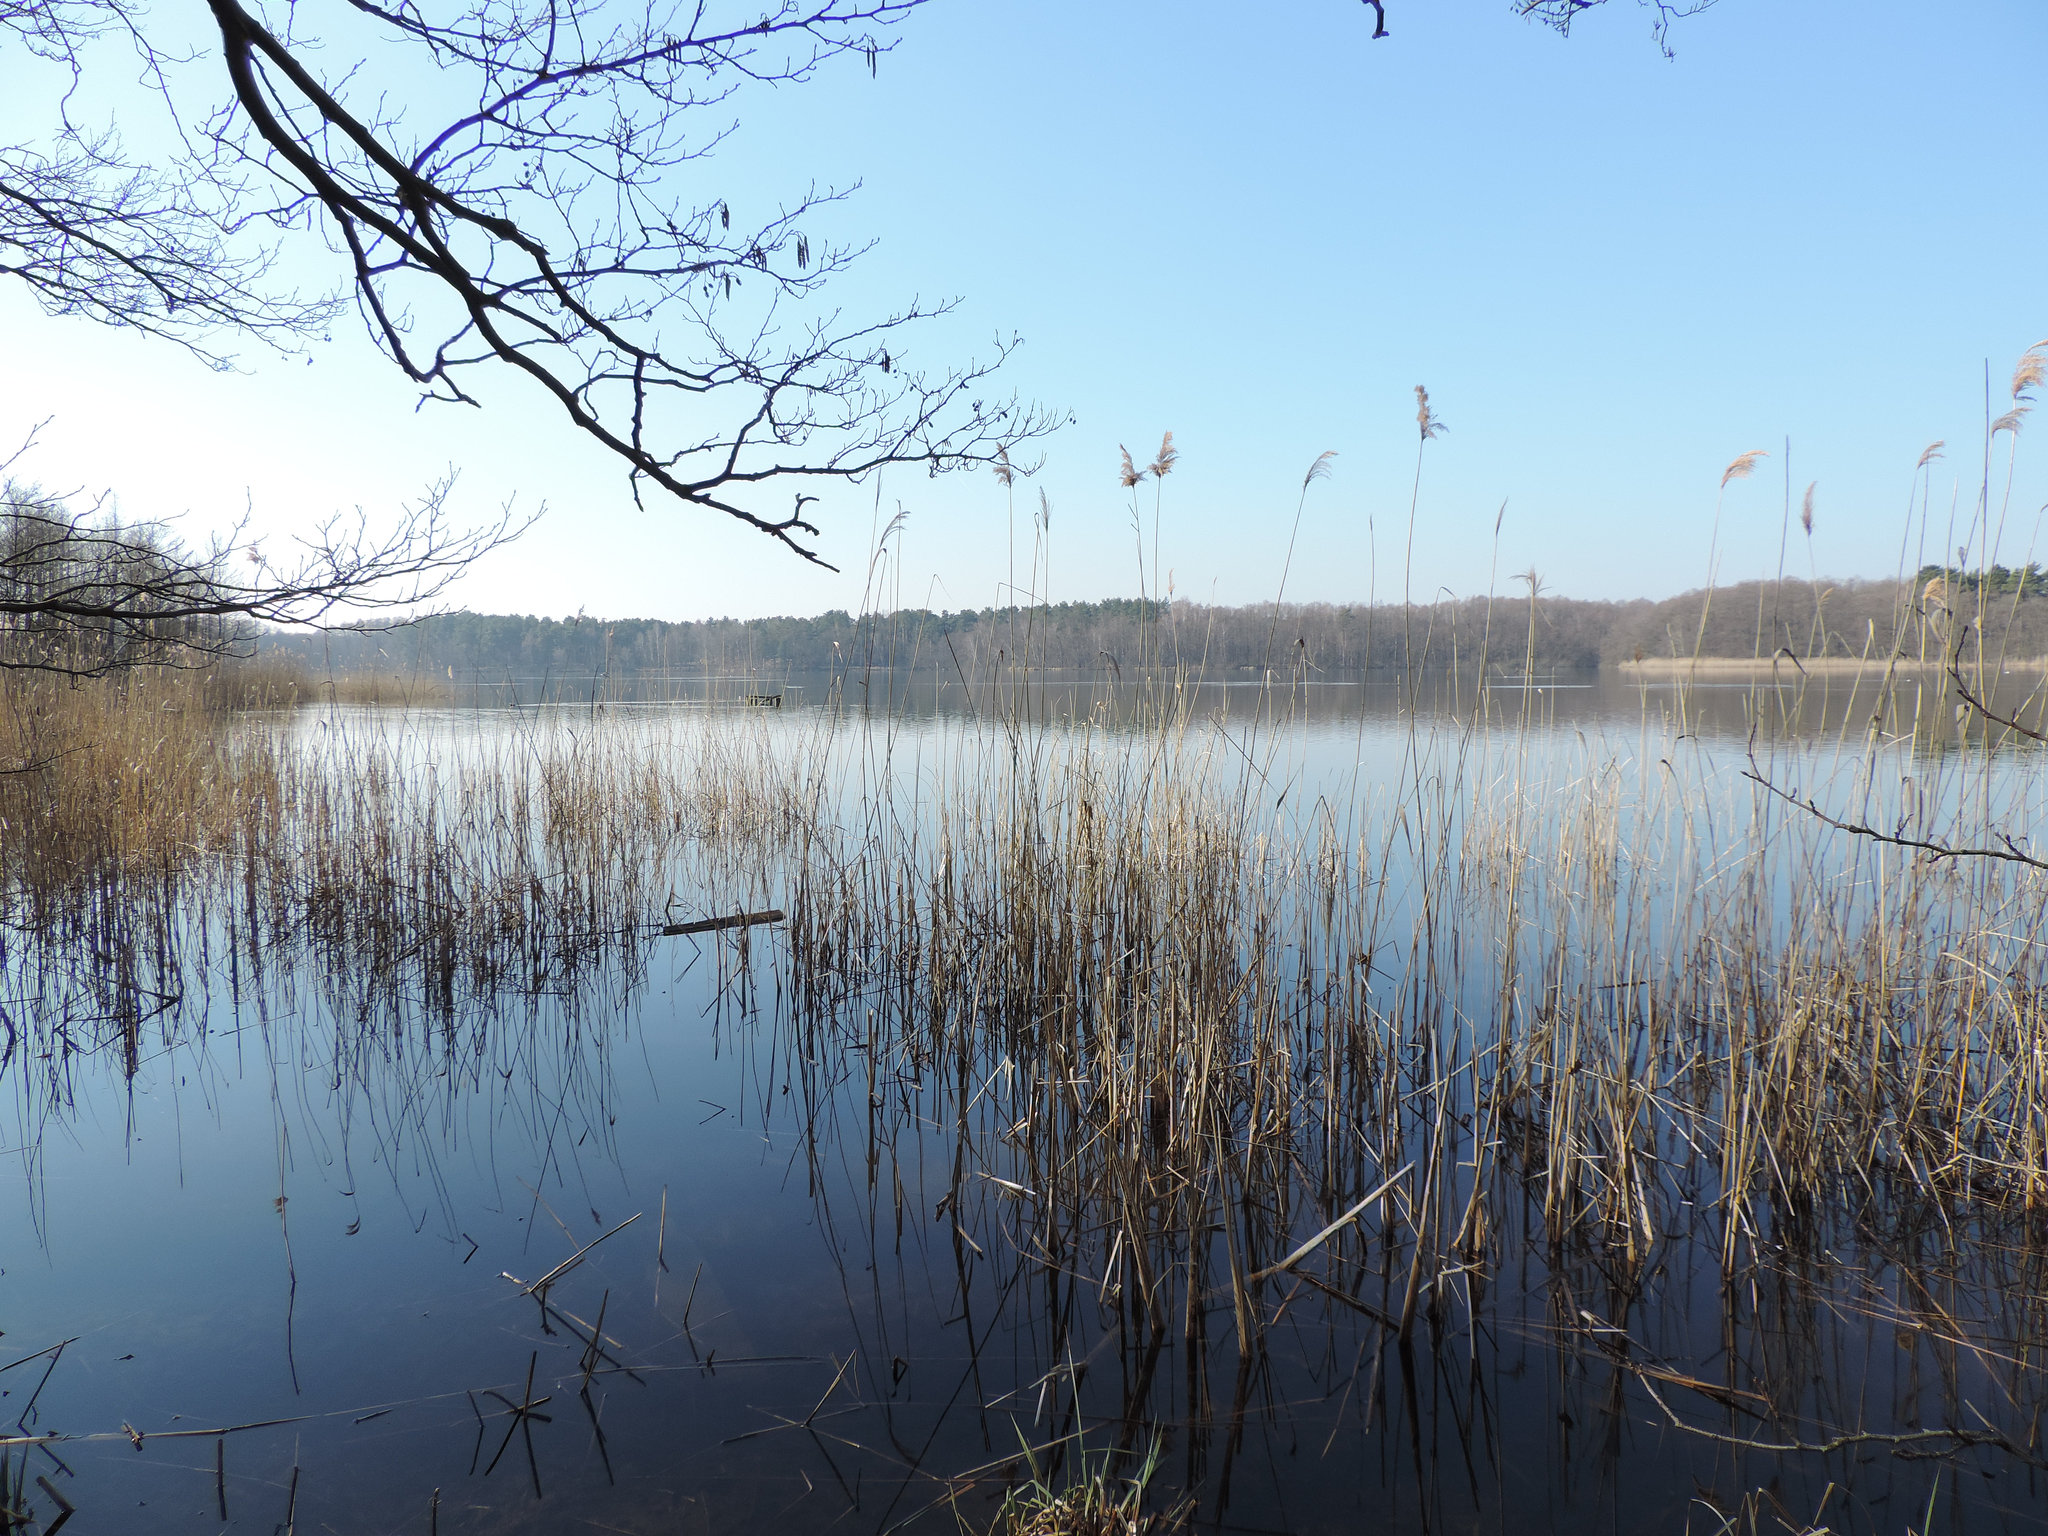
[(293, 1195)]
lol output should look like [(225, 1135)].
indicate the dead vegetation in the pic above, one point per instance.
[(1220, 1047)]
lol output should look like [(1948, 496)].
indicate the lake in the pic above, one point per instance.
[(1378, 1113)]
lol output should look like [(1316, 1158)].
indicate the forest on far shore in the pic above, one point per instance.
[(1922, 618)]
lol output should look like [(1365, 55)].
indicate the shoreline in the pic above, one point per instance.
[(1780, 666)]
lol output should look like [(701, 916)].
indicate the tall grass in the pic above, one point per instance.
[(1617, 982), (1209, 1030), (160, 838), (1218, 1038)]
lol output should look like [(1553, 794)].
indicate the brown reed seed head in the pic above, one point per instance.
[(1743, 467), (1806, 510), (1006, 474), (1933, 452), (2031, 371), (1425, 418), (1130, 474), (1320, 470), (1168, 457)]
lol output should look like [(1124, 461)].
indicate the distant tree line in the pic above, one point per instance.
[(1999, 580), (1924, 618), (1122, 636)]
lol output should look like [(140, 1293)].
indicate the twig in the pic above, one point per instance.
[(570, 1262), (136, 1437), (2011, 852), (1353, 1302), (1959, 1439), (661, 1247), (1969, 698), (592, 1339), (1315, 1242), (691, 1298), (66, 1509)]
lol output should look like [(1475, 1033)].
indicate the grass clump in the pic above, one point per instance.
[(1097, 1500)]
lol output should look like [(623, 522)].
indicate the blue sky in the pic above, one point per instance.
[(1258, 229)]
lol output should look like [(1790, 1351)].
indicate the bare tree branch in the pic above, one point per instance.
[(1562, 13), (84, 594), (174, 250), (95, 234), (539, 208), (2007, 848), (1963, 691)]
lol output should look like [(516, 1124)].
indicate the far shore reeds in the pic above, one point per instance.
[(1746, 668)]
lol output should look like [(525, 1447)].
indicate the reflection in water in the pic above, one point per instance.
[(1521, 1126), (1910, 700)]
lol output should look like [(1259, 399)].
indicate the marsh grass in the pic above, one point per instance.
[(1171, 1006), (1095, 1498), (1207, 1033), (385, 690), (169, 838), (1219, 1049), (1219, 1063)]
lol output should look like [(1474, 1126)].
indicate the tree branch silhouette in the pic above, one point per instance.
[(539, 210)]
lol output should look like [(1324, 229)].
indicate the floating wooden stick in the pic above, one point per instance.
[(713, 924)]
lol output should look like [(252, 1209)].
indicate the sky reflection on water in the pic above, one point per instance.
[(322, 1202)]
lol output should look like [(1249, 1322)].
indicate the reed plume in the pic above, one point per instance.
[(1426, 419), (1168, 457), (1743, 466), (2031, 371)]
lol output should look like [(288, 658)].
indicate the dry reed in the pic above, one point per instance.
[(1205, 1050)]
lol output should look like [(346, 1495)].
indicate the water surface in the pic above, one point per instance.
[(307, 1186)]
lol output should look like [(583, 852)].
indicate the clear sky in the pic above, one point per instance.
[(1255, 227)]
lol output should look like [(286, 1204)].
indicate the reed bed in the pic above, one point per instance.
[(1606, 979), (1196, 1009), (164, 845), (1211, 1065), (1209, 1046)]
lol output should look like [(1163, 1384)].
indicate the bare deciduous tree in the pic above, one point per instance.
[(1562, 13), (171, 249), (84, 594), (539, 207)]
